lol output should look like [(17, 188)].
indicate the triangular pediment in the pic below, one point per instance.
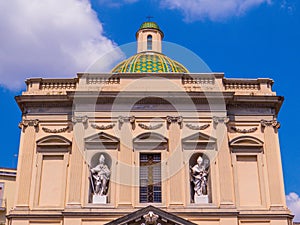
[(150, 140), (101, 140), (150, 212), (199, 140)]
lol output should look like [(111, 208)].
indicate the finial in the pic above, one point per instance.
[(149, 18)]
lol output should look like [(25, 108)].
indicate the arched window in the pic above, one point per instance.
[(149, 42)]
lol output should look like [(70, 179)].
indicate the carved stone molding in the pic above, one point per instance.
[(222, 119), (80, 119), (55, 131), (270, 123), (126, 119), (150, 127), (25, 123), (102, 127), (175, 119), (197, 127), (244, 131)]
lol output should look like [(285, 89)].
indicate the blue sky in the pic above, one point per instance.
[(242, 38)]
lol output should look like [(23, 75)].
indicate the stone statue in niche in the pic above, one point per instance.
[(100, 180), (199, 179)]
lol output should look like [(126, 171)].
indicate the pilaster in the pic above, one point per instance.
[(25, 164), (175, 162), (76, 162), (224, 162), (274, 167), (125, 170)]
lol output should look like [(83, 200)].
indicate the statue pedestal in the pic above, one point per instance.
[(99, 199), (202, 199)]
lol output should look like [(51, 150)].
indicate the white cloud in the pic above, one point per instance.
[(214, 10), (49, 38), (293, 203)]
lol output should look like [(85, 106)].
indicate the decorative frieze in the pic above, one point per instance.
[(197, 127), (55, 131), (25, 123), (268, 123), (244, 131), (103, 127), (150, 127)]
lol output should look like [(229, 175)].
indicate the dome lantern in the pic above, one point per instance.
[(149, 37)]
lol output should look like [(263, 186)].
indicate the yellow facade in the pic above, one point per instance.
[(7, 192), (165, 120)]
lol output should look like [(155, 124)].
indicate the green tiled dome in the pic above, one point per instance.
[(150, 25), (149, 62), (147, 25)]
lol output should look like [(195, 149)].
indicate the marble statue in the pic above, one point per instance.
[(199, 176), (101, 175)]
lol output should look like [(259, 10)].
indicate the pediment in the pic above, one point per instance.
[(140, 216), (101, 140), (246, 141), (53, 141), (150, 140), (199, 140)]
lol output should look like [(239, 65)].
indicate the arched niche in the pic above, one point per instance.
[(246, 144), (94, 161), (150, 141), (200, 174), (53, 143)]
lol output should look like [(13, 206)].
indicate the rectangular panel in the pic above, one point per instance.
[(52, 180), (248, 181)]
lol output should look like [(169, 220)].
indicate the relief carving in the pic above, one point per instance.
[(197, 127), (244, 131), (102, 127), (150, 127), (61, 130)]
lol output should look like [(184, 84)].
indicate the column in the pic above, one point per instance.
[(25, 164), (224, 162), (175, 162), (273, 158), (76, 162)]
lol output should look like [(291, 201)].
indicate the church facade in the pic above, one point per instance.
[(149, 143)]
